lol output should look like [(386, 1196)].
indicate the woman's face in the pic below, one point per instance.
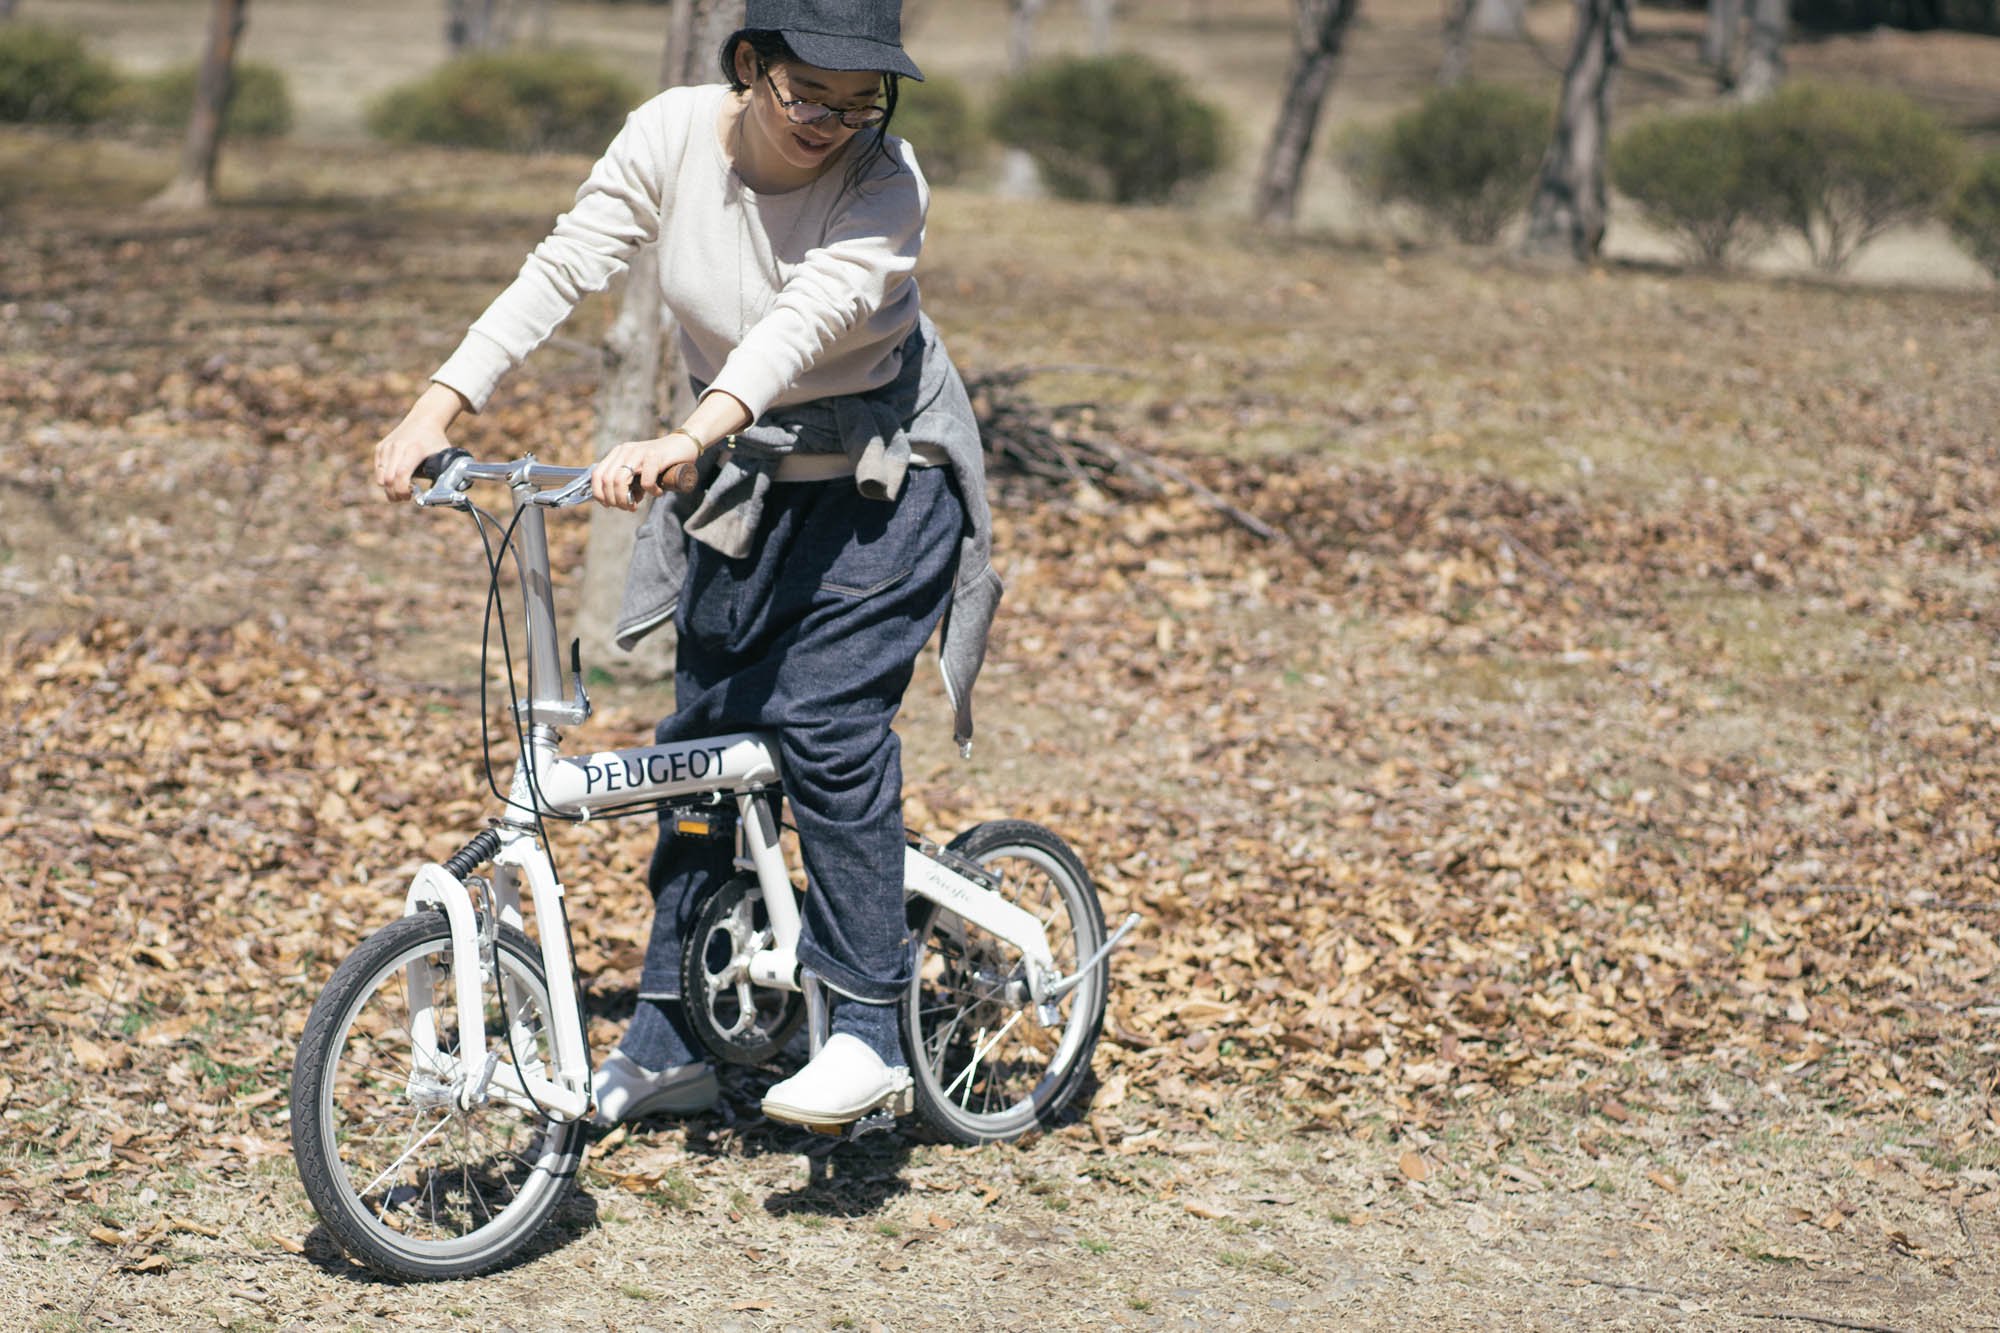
[(804, 148)]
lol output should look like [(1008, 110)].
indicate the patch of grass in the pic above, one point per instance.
[(889, 1229), (633, 1293), (1265, 1262), (811, 1221), (1757, 1247), (1094, 1245), (676, 1191), (1139, 1303), (1952, 1160), (1052, 1195)]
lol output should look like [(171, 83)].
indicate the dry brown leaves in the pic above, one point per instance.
[(1448, 796)]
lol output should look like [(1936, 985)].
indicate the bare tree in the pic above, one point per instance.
[(1019, 177), (638, 354), (476, 25), (1318, 28), (193, 186), (1500, 18), (1764, 55), (1099, 14), (1457, 61), (1021, 33), (1568, 210), (1718, 36)]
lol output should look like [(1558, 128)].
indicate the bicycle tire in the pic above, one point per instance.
[(967, 995), (360, 1090)]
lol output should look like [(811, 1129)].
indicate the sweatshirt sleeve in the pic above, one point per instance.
[(866, 263), (617, 209)]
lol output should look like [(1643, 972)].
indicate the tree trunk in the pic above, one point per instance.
[(1718, 35), (472, 25), (6, 10), (1319, 27), (1567, 215), (629, 397), (1099, 14), (1021, 33), (1764, 54), (1500, 18), (1457, 63), (193, 187), (1019, 177)]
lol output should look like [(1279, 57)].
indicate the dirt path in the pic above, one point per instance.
[(1247, 1224)]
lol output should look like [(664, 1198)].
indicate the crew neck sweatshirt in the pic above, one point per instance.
[(780, 297)]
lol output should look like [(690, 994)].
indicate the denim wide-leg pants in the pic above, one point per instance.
[(814, 635)]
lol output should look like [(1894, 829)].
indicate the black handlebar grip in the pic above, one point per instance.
[(433, 467)]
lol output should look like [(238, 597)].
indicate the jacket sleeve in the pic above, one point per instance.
[(866, 263), (617, 209)]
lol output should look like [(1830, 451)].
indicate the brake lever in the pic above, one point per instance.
[(576, 493), (451, 486)]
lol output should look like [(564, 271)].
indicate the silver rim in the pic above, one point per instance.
[(985, 1060), (423, 1176)]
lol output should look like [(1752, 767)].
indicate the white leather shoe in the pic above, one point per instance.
[(626, 1092), (844, 1082)]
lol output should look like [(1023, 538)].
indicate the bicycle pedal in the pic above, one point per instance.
[(875, 1122)]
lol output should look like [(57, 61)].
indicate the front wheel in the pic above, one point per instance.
[(409, 1181), (984, 1067)]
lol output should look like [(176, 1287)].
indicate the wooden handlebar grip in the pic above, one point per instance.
[(682, 477)]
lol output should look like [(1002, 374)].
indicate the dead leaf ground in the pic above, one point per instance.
[(1568, 867)]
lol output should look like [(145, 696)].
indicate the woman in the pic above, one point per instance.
[(844, 509)]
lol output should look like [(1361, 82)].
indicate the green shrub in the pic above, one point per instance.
[(1975, 212), (1123, 128), (47, 77), (936, 116), (1465, 159), (515, 101), (259, 106), (1843, 165), (1691, 176)]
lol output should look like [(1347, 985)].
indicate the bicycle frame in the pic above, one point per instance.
[(741, 767)]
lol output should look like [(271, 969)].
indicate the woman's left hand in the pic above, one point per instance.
[(633, 471)]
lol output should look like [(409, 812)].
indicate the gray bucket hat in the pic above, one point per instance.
[(836, 34)]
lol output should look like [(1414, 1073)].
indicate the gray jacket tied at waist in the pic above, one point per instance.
[(926, 404)]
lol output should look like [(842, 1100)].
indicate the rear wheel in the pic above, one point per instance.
[(410, 1182), (984, 1066)]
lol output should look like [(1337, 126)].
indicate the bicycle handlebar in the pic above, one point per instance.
[(570, 482)]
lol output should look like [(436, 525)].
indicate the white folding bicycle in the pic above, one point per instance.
[(441, 1088)]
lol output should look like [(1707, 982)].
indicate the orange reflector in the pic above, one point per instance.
[(693, 828)]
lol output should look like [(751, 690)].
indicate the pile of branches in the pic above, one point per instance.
[(1039, 448)]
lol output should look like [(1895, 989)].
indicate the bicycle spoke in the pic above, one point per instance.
[(392, 1168), (981, 1053)]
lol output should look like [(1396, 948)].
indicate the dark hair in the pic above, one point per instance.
[(771, 48)]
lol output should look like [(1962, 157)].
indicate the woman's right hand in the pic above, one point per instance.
[(420, 434)]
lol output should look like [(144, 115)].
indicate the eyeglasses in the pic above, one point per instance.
[(802, 112)]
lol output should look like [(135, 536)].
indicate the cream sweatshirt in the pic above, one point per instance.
[(780, 298)]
